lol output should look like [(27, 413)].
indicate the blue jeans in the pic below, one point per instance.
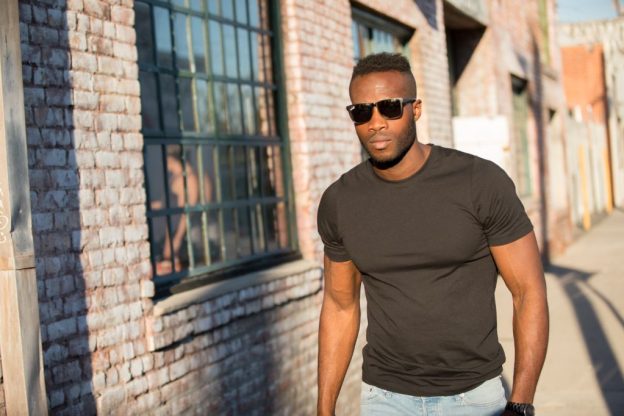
[(487, 399)]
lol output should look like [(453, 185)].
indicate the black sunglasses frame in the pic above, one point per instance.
[(370, 106)]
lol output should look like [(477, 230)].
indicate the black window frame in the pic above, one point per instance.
[(273, 85)]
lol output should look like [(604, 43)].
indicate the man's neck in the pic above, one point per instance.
[(413, 161)]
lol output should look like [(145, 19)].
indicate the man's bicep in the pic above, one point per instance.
[(342, 281), (519, 264)]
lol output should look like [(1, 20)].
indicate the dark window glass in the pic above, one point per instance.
[(181, 41), (163, 37), (145, 44), (169, 102), (150, 114)]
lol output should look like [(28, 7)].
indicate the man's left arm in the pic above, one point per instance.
[(520, 266)]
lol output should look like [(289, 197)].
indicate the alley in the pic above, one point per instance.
[(583, 374)]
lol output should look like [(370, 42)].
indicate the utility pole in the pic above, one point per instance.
[(20, 336)]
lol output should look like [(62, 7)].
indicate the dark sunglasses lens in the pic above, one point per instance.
[(361, 113), (390, 108)]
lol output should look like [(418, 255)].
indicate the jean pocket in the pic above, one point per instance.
[(487, 394), (372, 393)]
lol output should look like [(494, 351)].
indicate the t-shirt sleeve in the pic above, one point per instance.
[(497, 205), (327, 223)]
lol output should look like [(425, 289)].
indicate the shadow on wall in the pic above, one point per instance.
[(429, 10), (606, 368), (538, 108), (54, 185)]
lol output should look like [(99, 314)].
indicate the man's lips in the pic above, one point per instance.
[(380, 144)]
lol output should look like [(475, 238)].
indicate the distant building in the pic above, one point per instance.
[(162, 174), (594, 84)]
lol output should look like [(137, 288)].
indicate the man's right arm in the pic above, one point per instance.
[(338, 330)]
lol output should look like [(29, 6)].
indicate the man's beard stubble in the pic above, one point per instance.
[(405, 143)]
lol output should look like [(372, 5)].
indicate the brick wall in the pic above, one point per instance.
[(88, 205)]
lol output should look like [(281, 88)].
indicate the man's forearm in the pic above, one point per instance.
[(338, 330), (530, 327)]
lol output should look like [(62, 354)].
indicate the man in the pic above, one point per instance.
[(426, 229)]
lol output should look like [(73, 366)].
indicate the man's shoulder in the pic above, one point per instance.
[(455, 158), (351, 179)]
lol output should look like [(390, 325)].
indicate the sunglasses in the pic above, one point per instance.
[(390, 108)]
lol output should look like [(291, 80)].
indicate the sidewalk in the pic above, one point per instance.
[(584, 370)]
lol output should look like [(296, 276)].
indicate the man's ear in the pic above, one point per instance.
[(417, 108)]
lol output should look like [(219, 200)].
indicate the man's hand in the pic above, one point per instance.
[(338, 329), (521, 268)]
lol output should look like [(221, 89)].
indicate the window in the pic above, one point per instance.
[(521, 139), (374, 34), (215, 154)]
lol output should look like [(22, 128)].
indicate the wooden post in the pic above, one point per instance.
[(20, 337)]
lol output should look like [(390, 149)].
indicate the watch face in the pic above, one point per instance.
[(525, 409)]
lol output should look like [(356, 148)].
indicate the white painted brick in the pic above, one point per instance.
[(84, 61), (57, 398), (52, 157), (106, 197), (106, 83), (128, 351), (137, 386), (131, 196), (129, 123), (108, 30), (135, 233), (124, 372), (106, 122), (111, 236), (124, 15), (85, 100), (147, 289), (125, 51), (110, 399), (148, 362), (83, 119), (136, 368), (115, 178), (125, 34), (61, 328), (109, 66)]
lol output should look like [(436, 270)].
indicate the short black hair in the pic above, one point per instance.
[(381, 62), (384, 62)]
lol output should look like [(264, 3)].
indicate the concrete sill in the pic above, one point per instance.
[(212, 290)]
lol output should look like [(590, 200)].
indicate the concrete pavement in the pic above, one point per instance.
[(584, 370)]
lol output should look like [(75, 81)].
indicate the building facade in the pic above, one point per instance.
[(176, 152), (594, 86)]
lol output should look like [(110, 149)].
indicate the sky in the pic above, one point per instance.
[(581, 10)]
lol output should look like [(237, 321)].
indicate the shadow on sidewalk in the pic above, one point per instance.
[(606, 369)]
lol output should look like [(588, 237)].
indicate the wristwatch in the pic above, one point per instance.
[(524, 409)]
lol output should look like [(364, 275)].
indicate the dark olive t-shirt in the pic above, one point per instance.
[(422, 247)]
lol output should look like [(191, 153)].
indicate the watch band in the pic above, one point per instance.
[(524, 409)]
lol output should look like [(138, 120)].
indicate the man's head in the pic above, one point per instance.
[(383, 76)]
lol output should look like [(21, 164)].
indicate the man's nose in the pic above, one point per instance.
[(377, 121)]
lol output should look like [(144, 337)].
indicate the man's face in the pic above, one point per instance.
[(386, 140)]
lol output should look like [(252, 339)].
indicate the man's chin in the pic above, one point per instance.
[(384, 164)]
